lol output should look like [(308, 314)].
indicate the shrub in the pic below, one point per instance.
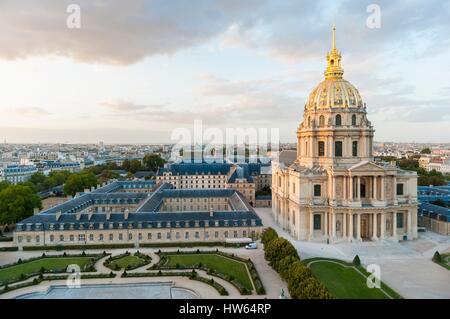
[(268, 235), (19, 261), (83, 254), (278, 249), (285, 266), (437, 258), (356, 261)]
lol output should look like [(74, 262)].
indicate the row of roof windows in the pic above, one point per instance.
[(139, 225)]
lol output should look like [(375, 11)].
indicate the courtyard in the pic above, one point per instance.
[(405, 266)]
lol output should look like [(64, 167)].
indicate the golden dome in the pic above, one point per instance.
[(334, 91)]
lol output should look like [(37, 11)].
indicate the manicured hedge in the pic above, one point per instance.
[(78, 247), (9, 248), (191, 244), (283, 258), (3, 239)]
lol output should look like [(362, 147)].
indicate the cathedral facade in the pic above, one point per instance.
[(331, 189)]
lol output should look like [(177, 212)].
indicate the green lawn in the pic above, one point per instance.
[(14, 272), (220, 264), (346, 282), (124, 262)]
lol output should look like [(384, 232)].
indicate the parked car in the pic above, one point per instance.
[(251, 246)]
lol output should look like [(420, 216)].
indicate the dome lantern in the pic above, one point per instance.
[(334, 69)]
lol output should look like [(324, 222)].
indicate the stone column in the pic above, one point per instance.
[(344, 190), (382, 187), (325, 224), (333, 185), (382, 225), (394, 225), (358, 188), (350, 226), (344, 225), (358, 226), (374, 226), (311, 225), (375, 188), (350, 193), (409, 223), (394, 189), (333, 225)]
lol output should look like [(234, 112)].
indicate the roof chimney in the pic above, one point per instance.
[(35, 210)]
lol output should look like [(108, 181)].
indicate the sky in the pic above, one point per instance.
[(136, 70)]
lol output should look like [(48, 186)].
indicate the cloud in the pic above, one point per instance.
[(124, 32), (113, 32), (126, 106), (29, 111)]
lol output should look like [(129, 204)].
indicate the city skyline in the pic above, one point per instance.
[(133, 73)]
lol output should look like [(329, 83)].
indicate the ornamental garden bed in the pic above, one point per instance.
[(24, 269), (127, 261), (346, 280), (238, 271), (193, 275)]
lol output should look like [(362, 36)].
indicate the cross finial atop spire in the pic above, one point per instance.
[(334, 69)]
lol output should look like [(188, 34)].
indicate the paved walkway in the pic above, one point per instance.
[(406, 266)]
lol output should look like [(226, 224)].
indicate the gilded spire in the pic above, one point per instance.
[(334, 70), (333, 39)]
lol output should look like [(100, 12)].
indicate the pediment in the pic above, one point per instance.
[(365, 166)]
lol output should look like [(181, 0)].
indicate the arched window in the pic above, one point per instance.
[(354, 120), (309, 121), (338, 120), (321, 121)]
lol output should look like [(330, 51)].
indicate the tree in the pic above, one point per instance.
[(78, 182), (277, 249), (268, 235), (153, 162), (356, 261), (426, 150), (3, 185), (285, 266), (38, 180), (437, 258), (17, 202)]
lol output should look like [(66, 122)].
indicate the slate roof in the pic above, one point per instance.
[(146, 216)]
